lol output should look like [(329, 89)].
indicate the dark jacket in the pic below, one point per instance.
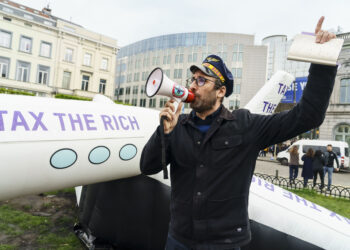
[(307, 167), (211, 176), (318, 162), (330, 157)]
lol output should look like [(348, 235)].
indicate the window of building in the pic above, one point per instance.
[(204, 55), (43, 74), (177, 73), (231, 104), (194, 57), (135, 90), (134, 102), (129, 78), (237, 72), (104, 63), (237, 88), (102, 87), (143, 89), (143, 102), (7, 10), (136, 77), (121, 91), (85, 83), (179, 58), (345, 90), (240, 57), (126, 101), (66, 79), (87, 59), (4, 67), (188, 74), (22, 72), (5, 39), (238, 52), (167, 72), (234, 104), (144, 76), (224, 56), (45, 49), (152, 103), (342, 133), (127, 91), (130, 64), (189, 59), (235, 56), (169, 59), (120, 79), (7, 19), (69, 55), (25, 44), (162, 102)]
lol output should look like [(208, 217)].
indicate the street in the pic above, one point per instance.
[(268, 167)]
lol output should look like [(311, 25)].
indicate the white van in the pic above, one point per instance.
[(339, 147)]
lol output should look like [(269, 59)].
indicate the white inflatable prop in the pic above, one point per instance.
[(48, 144)]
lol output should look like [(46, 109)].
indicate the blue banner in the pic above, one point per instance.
[(297, 86)]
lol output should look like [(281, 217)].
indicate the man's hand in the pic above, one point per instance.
[(171, 117), (322, 36)]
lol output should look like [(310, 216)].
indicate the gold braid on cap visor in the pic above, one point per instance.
[(216, 72)]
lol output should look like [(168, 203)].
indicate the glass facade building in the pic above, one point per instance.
[(175, 53)]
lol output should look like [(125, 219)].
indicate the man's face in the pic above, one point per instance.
[(206, 95), (329, 148)]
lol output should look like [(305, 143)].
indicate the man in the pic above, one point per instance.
[(212, 153), (330, 156)]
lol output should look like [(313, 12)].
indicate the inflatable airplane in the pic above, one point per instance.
[(48, 144)]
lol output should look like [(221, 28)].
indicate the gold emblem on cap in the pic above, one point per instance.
[(212, 59)]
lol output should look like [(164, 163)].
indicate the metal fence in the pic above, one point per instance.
[(335, 191)]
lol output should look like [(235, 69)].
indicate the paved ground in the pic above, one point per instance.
[(264, 166)]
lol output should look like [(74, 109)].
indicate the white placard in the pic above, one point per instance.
[(305, 49)]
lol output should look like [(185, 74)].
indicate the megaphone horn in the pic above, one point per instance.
[(159, 84)]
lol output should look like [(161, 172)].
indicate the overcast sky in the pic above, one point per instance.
[(129, 21)]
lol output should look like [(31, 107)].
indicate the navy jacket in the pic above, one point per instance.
[(307, 167), (211, 175)]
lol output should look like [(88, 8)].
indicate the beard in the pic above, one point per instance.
[(202, 104)]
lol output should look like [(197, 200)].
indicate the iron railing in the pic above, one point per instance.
[(335, 191)]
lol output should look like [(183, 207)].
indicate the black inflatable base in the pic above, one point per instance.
[(133, 213)]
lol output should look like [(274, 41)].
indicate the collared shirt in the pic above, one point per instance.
[(204, 125)]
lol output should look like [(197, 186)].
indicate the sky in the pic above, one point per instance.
[(129, 21)]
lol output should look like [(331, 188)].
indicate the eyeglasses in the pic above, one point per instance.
[(200, 81)]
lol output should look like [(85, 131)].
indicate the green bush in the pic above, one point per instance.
[(72, 97), (15, 92)]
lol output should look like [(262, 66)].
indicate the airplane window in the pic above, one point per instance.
[(99, 155), (127, 152), (63, 158)]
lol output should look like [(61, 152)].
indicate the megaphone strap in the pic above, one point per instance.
[(162, 142)]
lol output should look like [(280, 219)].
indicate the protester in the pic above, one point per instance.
[(293, 164), (307, 166), (317, 167), (212, 152)]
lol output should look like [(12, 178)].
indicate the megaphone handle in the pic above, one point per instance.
[(176, 103)]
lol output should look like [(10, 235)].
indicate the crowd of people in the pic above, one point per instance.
[(315, 163)]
